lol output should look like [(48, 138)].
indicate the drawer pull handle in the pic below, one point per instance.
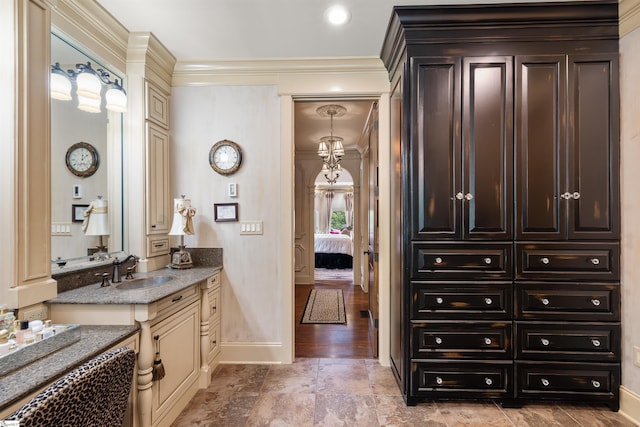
[(176, 299), (439, 300), (596, 343), (595, 261), (595, 383), (544, 260), (438, 260), (487, 341), (213, 342), (566, 196), (544, 341), (487, 260), (576, 195), (459, 196), (468, 196), (153, 226), (438, 340), (158, 245), (595, 302), (439, 380), (488, 301), (545, 382), (544, 301), (488, 381)]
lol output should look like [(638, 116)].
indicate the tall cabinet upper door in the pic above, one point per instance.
[(540, 98), (487, 148), (435, 148), (592, 170)]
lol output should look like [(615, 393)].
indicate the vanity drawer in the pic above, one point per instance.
[(463, 379), (461, 340), (213, 281), (467, 261), (461, 300), (567, 381), (214, 304), (568, 301), (177, 300), (575, 261), (595, 342), (157, 246)]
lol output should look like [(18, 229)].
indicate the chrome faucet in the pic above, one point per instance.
[(115, 278)]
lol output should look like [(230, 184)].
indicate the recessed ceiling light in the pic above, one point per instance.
[(337, 15)]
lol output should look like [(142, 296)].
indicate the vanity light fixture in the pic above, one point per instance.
[(89, 84), (330, 148)]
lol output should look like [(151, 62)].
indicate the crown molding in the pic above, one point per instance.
[(277, 71), (90, 25), (145, 48), (629, 11)]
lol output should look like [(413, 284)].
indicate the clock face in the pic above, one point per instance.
[(225, 157), (82, 159)]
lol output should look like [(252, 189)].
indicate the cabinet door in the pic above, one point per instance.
[(487, 148), (540, 98), (158, 200), (435, 149), (593, 154)]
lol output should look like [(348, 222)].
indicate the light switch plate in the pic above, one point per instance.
[(251, 227), (233, 190)]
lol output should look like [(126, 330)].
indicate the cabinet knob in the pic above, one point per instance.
[(576, 195), (595, 384), (438, 260), (488, 301), (439, 300), (545, 382), (153, 226), (487, 260), (459, 196), (544, 341), (544, 260), (468, 196), (595, 261), (487, 341), (488, 381), (439, 380), (438, 340), (544, 301), (596, 343), (566, 196), (595, 302)]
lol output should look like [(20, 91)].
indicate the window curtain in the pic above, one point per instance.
[(348, 203), (324, 205)]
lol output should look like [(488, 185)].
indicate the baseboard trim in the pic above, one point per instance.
[(630, 404), (253, 353)]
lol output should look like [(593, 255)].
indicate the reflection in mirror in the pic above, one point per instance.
[(86, 153)]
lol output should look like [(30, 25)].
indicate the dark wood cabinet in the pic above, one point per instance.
[(505, 189)]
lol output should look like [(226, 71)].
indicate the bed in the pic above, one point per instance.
[(333, 251)]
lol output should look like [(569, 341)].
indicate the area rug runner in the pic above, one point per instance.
[(333, 274), (325, 306)]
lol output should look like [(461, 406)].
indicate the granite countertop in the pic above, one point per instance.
[(94, 340), (95, 294)]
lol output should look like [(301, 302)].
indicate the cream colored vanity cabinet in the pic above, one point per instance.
[(209, 328)]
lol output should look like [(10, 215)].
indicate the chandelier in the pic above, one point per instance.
[(89, 84), (330, 148)]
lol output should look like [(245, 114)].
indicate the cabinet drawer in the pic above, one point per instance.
[(573, 380), (157, 246), (213, 281), (568, 301), (176, 301), (470, 261), (214, 304), (460, 300), (489, 380), (462, 340), (568, 261), (581, 342)]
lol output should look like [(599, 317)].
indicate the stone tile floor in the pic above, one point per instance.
[(357, 392)]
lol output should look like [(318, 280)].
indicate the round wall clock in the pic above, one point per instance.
[(82, 159), (225, 157)]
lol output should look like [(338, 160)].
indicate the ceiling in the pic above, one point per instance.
[(250, 29)]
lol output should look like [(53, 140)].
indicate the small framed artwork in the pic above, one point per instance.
[(225, 212), (77, 212)]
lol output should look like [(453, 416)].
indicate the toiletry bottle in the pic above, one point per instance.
[(47, 330), (24, 334), (36, 329)]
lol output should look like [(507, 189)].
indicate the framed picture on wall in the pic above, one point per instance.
[(77, 212), (225, 212)]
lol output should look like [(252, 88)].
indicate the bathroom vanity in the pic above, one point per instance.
[(179, 318)]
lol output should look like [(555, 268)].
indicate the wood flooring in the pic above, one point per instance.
[(334, 341)]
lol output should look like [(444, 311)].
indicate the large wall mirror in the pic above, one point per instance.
[(86, 157)]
